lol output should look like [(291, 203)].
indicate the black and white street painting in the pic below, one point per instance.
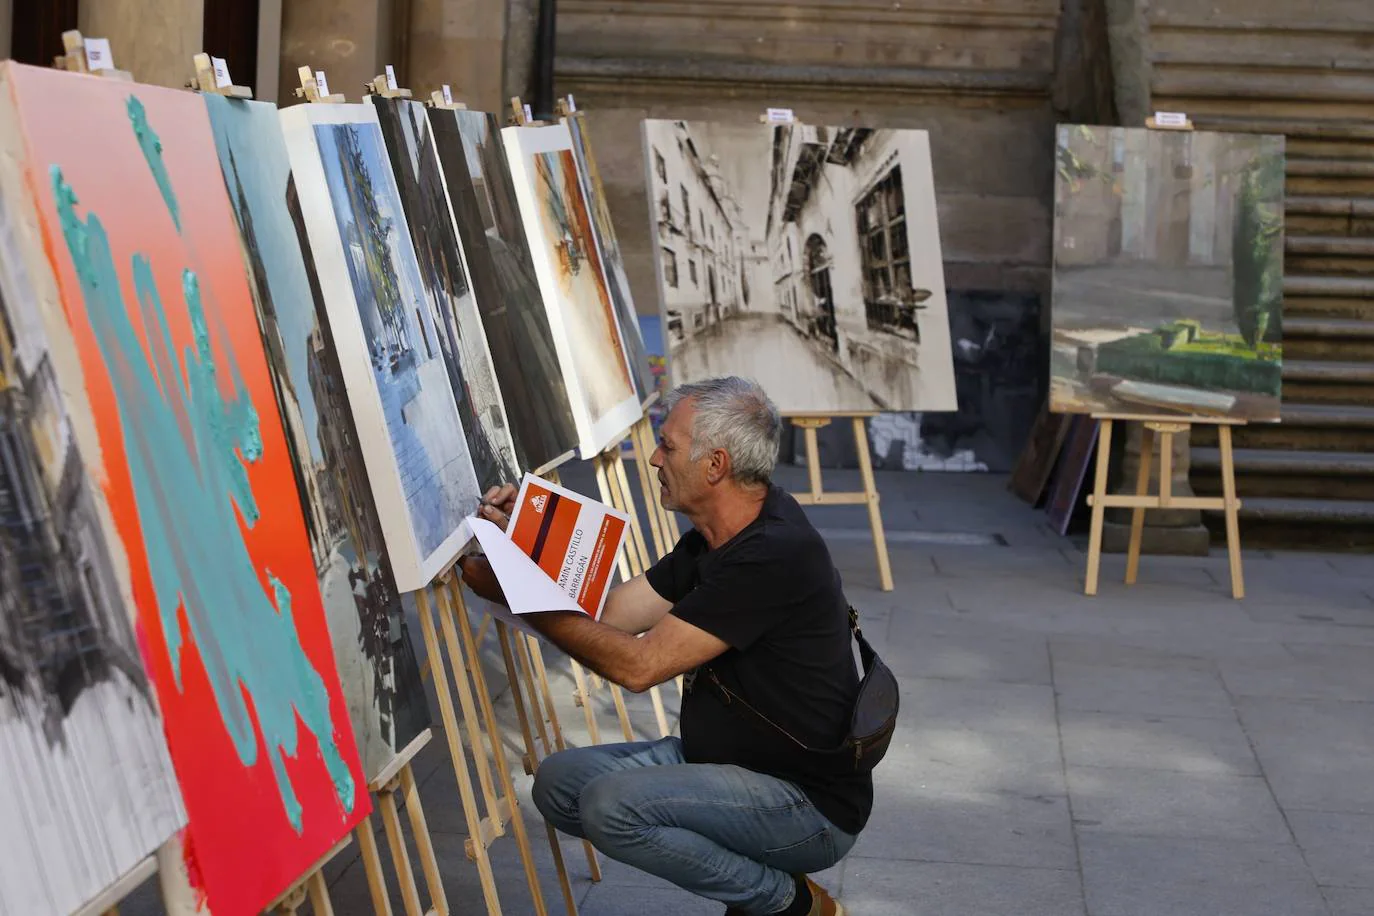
[(806, 257)]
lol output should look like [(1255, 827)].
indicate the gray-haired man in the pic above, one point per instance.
[(748, 600)]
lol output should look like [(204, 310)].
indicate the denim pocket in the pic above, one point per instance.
[(813, 854)]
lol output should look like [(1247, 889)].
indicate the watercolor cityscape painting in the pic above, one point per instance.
[(148, 311), (383, 323), (1168, 273), (462, 340), (591, 349), (373, 644)]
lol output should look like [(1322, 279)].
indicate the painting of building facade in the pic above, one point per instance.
[(88, 788), (131, 243), (382, 319), (1168, 273), (807, 257), (373, 646), (410, 145), (572, 277), (618, 284), (482, 194)]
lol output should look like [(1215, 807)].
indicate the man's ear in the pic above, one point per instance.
[(718, 468)]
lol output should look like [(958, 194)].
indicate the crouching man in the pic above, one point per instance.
[(749, 607)]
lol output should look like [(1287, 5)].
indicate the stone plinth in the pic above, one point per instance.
[(1178, 532)]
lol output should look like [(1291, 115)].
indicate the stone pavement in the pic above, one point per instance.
[(1155, 750)]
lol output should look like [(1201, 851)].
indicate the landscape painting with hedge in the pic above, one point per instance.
[(1168, 273)]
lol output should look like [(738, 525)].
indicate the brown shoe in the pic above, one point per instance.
[(822, 904)]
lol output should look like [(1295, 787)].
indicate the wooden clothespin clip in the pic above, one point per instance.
[(212, 75), (385, 85), (314, 87), (443, 98), (521, 114), (1168, 120), (88, 55)]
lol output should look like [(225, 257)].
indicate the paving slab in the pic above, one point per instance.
[(1179, 744), (1339, 847), (1349, 901), (1171, 804), (1168, 876), (1146, 691), (879, 887), (1315, 755)]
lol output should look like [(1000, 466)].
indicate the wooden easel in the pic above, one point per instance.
[(817, 496), (74, 60), (501, 808), (311, 886), (1164, 429), (397, 778), (384, 85), (309, 89)]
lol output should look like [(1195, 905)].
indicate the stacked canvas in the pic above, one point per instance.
[(140, 298)]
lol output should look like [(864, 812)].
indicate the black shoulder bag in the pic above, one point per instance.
[(871, 724)]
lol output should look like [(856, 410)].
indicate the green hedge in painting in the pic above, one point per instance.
[(1257, 251), (1181, 353)]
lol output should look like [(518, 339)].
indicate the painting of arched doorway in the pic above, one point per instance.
[(818, 275)]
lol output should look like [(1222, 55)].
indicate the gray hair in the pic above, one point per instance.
[(734, 414)]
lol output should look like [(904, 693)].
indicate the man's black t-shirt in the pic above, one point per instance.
[(773, 594)]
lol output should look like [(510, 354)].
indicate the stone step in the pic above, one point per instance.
[(1335, 246), (1330, 168), (1289, 523), (1319, 205), (1316, 338), (1292, 463), (1317, 381), (1328, 286), (1304, 427), (1307, 128)]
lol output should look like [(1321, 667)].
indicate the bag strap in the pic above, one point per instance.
[(866, 654)]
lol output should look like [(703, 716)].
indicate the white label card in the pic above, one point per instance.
[(780, 115), (98, 54), (529, 113), (221, 72), (391, 78), (448, 95), (321, 83), (1171, 119)]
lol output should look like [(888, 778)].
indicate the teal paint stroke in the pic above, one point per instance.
[(187, 449), (151, 144)]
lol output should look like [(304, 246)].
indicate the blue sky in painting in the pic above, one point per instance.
[(252, 131)]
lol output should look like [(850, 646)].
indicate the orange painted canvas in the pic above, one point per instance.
[(140, 266)]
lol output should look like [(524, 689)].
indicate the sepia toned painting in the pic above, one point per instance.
[(1168, 273), (618, 284), (806, 257), (482, 194), (410, 145), (145, 300), (373, 645), (572, 277), (381, 313)]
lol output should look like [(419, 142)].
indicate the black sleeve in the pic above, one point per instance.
[(744, 597), (671, 577)]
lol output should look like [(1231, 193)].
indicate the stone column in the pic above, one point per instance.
[(1178, 532), (155, 41), (522, 29), (1128, 37), (349, 40), (462, 43)]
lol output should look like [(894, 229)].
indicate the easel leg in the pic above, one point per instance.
[(319, 895), (424, 843), (458, 610), (875, 514), (470, 715), (1142, 486), (1104, 449), (639, 439), (455, 747), (400, 857), (372, 867), (1232, 510)]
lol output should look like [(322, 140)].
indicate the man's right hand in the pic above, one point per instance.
[(498, 505)]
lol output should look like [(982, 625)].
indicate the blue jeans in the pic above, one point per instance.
[(721, 832)]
